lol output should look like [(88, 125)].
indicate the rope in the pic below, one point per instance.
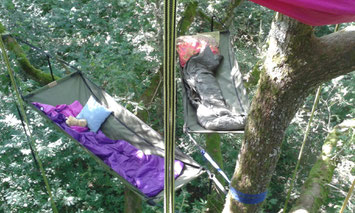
[(347, 197), (169, 102), (22, 109)]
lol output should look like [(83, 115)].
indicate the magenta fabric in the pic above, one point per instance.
[(314, 12), (145, 172)]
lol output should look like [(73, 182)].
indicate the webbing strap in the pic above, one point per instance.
[(50, 67), (22, 110), (209, 158), (247, 198), (169, 103)]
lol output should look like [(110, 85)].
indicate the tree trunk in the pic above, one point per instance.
[(296, 63), (215, 199), (315, 189)]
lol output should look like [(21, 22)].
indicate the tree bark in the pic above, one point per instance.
[(295, 64), (315, 189)]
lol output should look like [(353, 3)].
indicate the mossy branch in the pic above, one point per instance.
[(225, 23), (228, 19), (315, 189), (25, 65), (215, 200), (207, 18), (188, 17)]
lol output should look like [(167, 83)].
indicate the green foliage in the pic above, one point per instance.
[(335, 106), (118, 45)]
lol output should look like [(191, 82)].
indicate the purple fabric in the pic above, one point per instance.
[(314, 12), (145, 172)]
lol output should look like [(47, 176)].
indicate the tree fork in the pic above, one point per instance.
[(296, 63)]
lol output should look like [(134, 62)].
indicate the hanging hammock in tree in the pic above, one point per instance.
[(214, 97), (123, 144), (314, 12)]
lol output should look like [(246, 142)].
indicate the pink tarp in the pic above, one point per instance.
[(314, 12)]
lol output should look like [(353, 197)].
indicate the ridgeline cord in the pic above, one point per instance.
[(22, 110)]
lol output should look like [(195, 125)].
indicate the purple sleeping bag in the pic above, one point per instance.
[(145, 172)]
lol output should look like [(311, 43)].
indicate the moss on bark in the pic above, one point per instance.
[(2, 28), (188, 17), (292, 68), (315, 189), (25, 65), (215, 200)]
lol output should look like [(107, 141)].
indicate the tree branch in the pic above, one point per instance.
[(21, 59), (228, 19), (25, 65), (187, 18), (291, 70), (315, 189), (337, 54)]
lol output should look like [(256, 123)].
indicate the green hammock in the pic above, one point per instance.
[(120, 125), (230, 82)]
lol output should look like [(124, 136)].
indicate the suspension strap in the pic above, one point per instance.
[(22, 111), (169, 103), (216, 181), (50, 67), (316, 100), (247, 198), (27, 136), (209, 159), (212, 22)]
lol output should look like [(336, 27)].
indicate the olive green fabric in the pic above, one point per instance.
[(120, 125), (231, 84)]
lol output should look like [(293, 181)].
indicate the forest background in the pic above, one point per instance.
[(117, 44)]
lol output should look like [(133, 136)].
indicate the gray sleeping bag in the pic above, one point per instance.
[(205, 95)]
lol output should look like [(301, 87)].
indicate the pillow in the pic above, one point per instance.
[(94, 113), (188, 46)]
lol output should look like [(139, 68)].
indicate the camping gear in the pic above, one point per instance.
[(227, 76), (120, 124)]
